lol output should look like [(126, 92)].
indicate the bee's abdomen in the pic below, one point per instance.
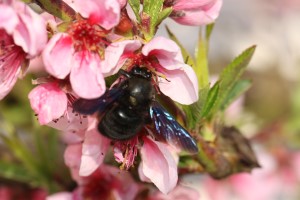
[(120, 123)]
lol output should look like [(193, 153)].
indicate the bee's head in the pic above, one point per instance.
[(141, 72)]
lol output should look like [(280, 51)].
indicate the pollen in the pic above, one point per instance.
[(88, 37)]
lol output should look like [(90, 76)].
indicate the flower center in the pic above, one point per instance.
[(88, 36)]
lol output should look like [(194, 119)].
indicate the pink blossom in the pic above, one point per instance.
[(18, 191), (158, 165), (174, 78), (11, 59), (118, 53), (86, 149), (48, 101), (61, 196), (94, 149), (19, 28), (72, 125), (179, 193), (105, 183), (195, 12), (72, 157), (87, 155), (83, 48), (105, 13), (181, 82)]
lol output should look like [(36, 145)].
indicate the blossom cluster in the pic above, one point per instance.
[(78, 56)]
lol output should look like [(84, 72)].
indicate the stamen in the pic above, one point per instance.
[(90, 37)]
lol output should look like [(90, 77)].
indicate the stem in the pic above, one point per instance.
[(57, 8), (201, 60)]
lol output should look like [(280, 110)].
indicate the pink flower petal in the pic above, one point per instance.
[(58, 55), (191, 4), (142, 175), (71, 123), (30, 32), (165, 50), (86, 78), (48, 101), (200, 15), (8, 78), (181, 86), (122, 3), (11, 59), (94, 149), (8, 18), (61, 196), (115, 55), (159, 165), (180, 77), (180, 192), (73, 137), (72, 155), (123, 185), (106, 13), (6, 87)]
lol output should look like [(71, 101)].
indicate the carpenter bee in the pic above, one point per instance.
[(130, 105)]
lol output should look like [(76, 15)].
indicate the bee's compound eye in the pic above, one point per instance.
[(135, 70)]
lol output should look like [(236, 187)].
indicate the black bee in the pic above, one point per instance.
[(127, 107)]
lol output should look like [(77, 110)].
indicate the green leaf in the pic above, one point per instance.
[(235, 69), (185, 54), (152, 8), (210, 101), (231, 74), (193, 111), (209, 29), (239, 88), (163, 15), (135, 5), (57, 8), (15, 172)]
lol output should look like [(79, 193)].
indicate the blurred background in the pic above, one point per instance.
[(268, 114)]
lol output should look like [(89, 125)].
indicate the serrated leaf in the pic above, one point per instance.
[(163, 15), (185, 54), (210, 101), (135, 5), (239, 88), (235, 69), (153, 8), (231, 74)]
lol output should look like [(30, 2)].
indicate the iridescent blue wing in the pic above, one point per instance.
[(90, 106), (169, 130)]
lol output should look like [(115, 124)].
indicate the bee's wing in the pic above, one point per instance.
[(90, 106), (169, 130)]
